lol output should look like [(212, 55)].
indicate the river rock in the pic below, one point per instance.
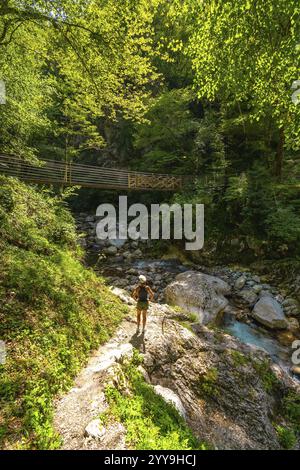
[(127, 255), (123, 295), (137, 253), (257, 288), (248, 296), (290, 302), (111, 250), (240, 282), (285, 337), (199, 293), (291, 307), (94, 429), (269, 313), (293, 325)]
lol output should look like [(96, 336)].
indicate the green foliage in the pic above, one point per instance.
[(287, 437), (284, 225), (150, 422), (166, 138), (239, 359), (34, 221), (175, 139), (248, 50), (291, 409), (207, 383), (67, 65), (266, 375), (53, 312)]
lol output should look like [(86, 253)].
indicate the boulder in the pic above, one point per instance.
[(215, 376), (198, 293), (269, 313), (290, 302), (170, 397), (123, 295), (257, 288), (137, 253), (291, 307)]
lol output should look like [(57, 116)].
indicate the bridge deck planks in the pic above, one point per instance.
[(77, 174)]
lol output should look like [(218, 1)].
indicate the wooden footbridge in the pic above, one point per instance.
[(89, 176)]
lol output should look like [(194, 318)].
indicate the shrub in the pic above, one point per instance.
[(286, 437), (53, 312), (150, 422)]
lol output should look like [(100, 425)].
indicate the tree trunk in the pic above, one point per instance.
[(279, 155)]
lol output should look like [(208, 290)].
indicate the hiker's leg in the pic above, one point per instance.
[(138, 318), (144, 318)]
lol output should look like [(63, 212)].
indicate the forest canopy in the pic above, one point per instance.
[(202, 88)]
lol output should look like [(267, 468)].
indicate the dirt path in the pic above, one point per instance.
[(86, 401)]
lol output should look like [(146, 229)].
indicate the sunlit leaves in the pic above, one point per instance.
[(247, 51), (97, 55)]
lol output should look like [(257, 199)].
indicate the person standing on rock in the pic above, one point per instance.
[(143, 294)]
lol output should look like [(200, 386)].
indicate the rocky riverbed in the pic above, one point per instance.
[(221, 353), (239, 302), (229, 393)]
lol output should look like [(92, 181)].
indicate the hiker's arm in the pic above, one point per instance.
[(151, 294), (135, 293)]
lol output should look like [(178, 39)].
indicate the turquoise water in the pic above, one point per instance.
[(249, 334)]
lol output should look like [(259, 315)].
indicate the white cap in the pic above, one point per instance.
[(142, 278)]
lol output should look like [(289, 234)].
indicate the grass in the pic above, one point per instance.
[(150, 422), (53, 312)]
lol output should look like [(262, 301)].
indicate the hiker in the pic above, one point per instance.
[(142, 294)]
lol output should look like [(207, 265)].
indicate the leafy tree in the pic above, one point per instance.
[(165, 140), (247, 51), (96, 55)]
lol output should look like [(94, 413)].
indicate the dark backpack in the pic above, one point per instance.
[(143, 294)]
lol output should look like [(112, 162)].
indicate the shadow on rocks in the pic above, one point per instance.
[(138, 342)]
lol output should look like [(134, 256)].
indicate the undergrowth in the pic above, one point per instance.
[(53, 312), (150, 422)]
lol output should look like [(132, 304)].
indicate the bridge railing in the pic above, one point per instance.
[(77, 174)]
